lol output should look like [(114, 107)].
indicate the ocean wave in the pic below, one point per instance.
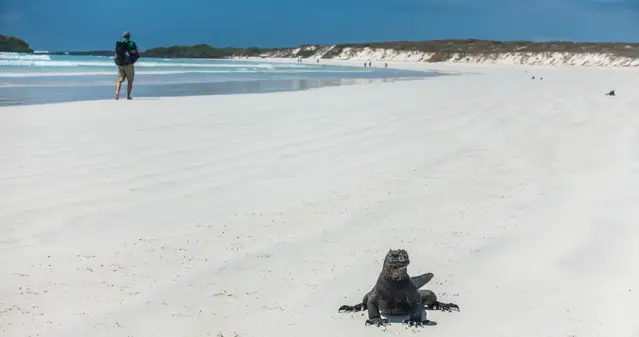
[(20, 56), (102, 81), (205, 65), (113, 73), (36, 62), (170, 72), (350, 71)]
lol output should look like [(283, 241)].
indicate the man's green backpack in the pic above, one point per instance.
[(123, 53)]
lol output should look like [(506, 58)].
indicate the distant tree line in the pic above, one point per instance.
[(202, 51), (13, 44), (195, 51), (477, 46), (85, 53)]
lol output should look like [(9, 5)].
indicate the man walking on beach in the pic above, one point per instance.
[(126, 54)]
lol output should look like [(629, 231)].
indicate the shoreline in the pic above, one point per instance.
[(146, 98), (438, 69), (222, 82), (309, 85)]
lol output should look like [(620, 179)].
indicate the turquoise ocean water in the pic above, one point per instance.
[(40, 78)]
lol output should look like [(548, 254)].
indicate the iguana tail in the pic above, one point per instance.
[(421, 280)]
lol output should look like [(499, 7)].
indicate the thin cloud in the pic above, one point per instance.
[(501, 5), (522, 4), (632, 5), (450, 3), (11, 17)]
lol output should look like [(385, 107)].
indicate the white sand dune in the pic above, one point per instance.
[(259, 215)]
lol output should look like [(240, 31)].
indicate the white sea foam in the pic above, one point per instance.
[(111, 73), (162, 72), (109, 63), (19, 56), (37, 62), (56, 70)]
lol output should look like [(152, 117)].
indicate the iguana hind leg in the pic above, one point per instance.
[(429, 299), (350, 308), (356, 307)]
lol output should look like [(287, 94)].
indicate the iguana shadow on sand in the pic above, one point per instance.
[(396, 293)]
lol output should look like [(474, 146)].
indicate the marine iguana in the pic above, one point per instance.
[(396, 293)]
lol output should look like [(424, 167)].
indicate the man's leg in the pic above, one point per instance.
[(129, 87), (118, 83), (130, 74)]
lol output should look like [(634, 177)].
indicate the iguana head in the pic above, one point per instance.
[(396, 263)]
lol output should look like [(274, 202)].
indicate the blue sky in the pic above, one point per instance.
[(88, 24)]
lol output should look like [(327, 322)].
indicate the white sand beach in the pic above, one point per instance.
[(262, 214)]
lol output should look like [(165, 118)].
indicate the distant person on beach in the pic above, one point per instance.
[(126, 54)]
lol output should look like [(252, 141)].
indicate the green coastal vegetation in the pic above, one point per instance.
[(195, 51), (444, 48), (203, 51), (84, 53), (13, 44)]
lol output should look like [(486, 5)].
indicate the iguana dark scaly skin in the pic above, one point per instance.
[(396, 293)]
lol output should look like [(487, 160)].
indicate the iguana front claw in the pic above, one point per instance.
[(415, 322), (377, 321)]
